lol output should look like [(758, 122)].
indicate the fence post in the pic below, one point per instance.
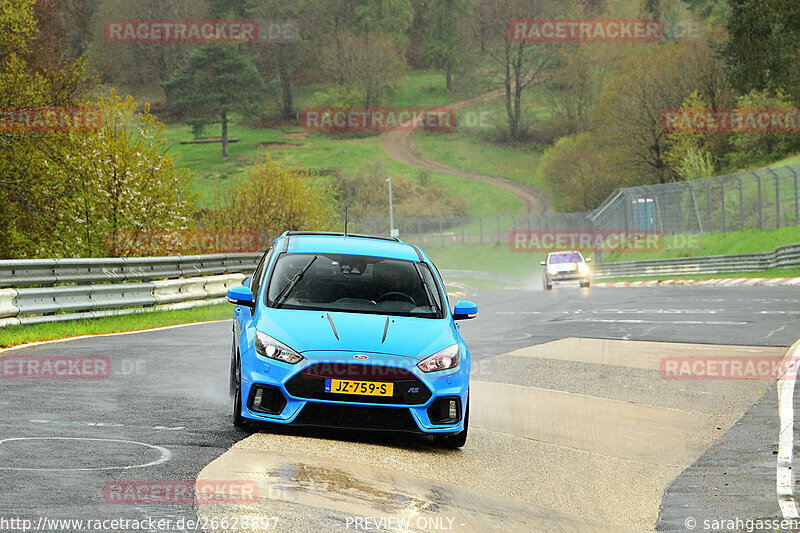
[(722, 205), (741, 203), (777, 199), (708, 204), (796, 211), (760, 207)]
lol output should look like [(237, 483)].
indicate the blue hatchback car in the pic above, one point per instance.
[(350, 331)]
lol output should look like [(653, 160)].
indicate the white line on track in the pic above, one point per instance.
[(783, 482), (165, 455), (31, 344)]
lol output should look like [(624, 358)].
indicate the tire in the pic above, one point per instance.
[(236, 384), (548, 286), (459, 439), (586, 284)]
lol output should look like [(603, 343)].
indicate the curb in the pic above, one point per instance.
[(723, 282)]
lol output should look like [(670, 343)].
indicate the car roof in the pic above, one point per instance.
[(565, 252), (351, 244)]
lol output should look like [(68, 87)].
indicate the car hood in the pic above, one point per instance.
[(306, 331), (563, 267)]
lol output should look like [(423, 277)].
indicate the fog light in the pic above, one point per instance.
[(257, 397), (452, 409)]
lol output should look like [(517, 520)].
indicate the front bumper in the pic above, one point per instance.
[(295, 394), (567, 276)]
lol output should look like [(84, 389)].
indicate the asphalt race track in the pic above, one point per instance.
[(573, 426)]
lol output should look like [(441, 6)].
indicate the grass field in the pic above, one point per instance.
[(14, 335), (327, 154), (501, 259)]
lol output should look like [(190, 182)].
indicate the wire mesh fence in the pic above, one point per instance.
[(759, 199)]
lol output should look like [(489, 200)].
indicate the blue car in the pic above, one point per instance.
[(350, 331)]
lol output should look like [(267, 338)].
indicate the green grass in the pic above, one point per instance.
[(793, 160), (468, 147), (428, 89), (325, 153), (318, 152), (769, 273), (485, 257), (14, 335), (500, 259), (735, 242)]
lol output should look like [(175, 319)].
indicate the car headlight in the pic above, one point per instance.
[(269, 347), (583, 268), (445, 359)]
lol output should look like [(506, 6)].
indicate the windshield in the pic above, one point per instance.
[(355, 284), (572, 257)]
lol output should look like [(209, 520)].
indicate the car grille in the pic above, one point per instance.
[(357, 417), (310, 383)]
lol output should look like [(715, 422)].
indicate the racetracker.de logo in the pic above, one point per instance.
[(181, 31), (721, 367), (606, 241), (180, 241), (55, 367), (180, 492), (377, 119), (585, 30), (50, 119), (730, 120)]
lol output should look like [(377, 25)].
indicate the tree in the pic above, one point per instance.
[(519, 65), (688, 153), (763, 45), (626, 120), (274, 198), (762, 147), (576, 172), (28, 193), (389, 17), (581, 72), (120, 183), (216, 81), (445, 40), (366, 65)]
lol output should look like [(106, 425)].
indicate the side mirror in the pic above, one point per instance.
[(241, 295), (465, 310), (247, 281), (542, 263), (589, 260)]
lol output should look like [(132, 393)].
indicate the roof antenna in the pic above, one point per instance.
[(345, 221)]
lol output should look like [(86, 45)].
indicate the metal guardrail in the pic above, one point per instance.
[(70, 289), (783, 256), (49, 272)]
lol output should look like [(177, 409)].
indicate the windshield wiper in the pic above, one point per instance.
[(287, 289), (429, 294)]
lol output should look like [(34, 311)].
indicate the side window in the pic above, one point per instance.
[(258, 275)]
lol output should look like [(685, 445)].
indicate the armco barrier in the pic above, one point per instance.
[(784, 256), (51, 290), (49, 272)]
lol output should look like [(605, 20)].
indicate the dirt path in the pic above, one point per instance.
[(400, 146)]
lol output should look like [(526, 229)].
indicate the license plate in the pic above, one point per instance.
[(366, 388)]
